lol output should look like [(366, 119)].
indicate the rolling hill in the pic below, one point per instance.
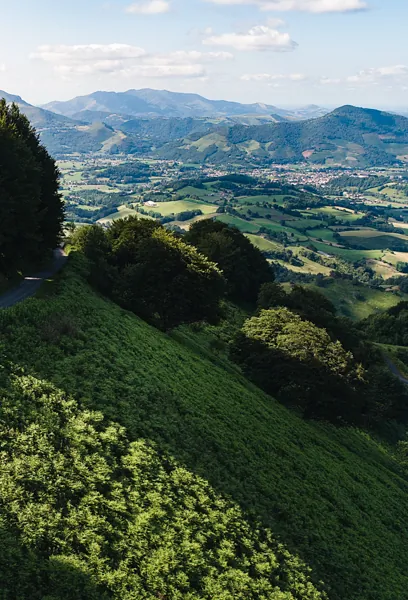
[(348, 136)]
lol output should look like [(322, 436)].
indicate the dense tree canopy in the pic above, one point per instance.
[(244, 266), (297, 361), (150, 271), (31, 208)]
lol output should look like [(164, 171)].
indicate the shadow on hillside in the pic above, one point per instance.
[(29, 574)]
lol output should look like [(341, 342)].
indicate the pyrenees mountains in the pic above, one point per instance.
[(161, 103), (190, 128)]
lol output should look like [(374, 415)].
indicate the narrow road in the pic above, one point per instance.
[(394, 369), (29, 286)]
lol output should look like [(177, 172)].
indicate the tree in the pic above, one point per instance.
[(244, 266), (299, 362), (31, 207), (272, 295)]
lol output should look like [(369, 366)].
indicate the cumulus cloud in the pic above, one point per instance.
[(126, 60), (152, 7), (274, 77), (312, 6), (259, 38)]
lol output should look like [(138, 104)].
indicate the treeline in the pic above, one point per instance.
[(31, 207)]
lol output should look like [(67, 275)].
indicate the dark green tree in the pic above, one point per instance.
[(152, 272), (31, 208), (244, 266)]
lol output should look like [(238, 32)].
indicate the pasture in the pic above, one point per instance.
[(178, 206)]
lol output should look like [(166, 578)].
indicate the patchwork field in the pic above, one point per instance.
[(178, 206)]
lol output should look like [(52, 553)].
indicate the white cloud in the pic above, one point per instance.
[(313, 6), (330, 81), (126, 60), (2, 68), (274, 77), (374, 76), (259, 38), (152, 7)]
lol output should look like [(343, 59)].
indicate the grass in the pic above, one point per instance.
[(241, 224), (348, 254), (395, 257), (358, 301), (309, 266), (121, 213), (344, 215), (204, 194), (261, 199), (324, 234), (178, 206), (217, 465), (263, 244)]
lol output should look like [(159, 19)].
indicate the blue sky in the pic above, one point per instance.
[(283, 52)]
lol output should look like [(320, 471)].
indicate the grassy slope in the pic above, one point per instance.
[(333, 497), (358, 301)]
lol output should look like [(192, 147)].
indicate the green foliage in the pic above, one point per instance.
[(297, 360), (244, 266), (176, 489), (390, 327), (150, 271), (31, 209)]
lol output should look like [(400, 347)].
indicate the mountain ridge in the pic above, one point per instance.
[(147, 101)]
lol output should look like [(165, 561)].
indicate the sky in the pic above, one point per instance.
[(280, 52)]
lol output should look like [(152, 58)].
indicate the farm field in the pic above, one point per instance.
[(309, 267), (395, 257), (189, 433), (262, 243), (324, 234), (121, 213), (241, 224), (348, 254), (178, 206), (341, 214)]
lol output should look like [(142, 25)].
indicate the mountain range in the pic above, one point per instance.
[(154, 123), (348, 136), (162, 103)]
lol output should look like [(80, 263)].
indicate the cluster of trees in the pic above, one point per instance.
[(168, 280), (31, 208), (129, 172), (152, 272), (299, 351)]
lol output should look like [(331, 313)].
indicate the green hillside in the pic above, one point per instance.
[(138, 467), (348, 136)]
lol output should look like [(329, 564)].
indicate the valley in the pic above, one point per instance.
[(308, 222)]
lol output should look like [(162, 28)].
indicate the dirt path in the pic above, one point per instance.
[(29, 286)]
